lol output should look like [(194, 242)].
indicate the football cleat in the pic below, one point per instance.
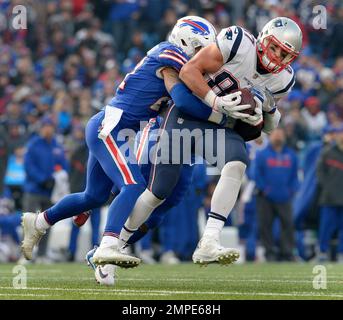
[(104, 275), (81, 218), (89, 258), (112, 255), (32, 235), (210, 251)]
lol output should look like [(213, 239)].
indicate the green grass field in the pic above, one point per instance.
[(186, 281)]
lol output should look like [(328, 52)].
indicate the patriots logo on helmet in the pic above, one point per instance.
[(197, 27)]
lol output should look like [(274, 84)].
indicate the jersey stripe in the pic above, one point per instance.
[(119, 160), (176, 54), (290, 84), (236, 44), (169, 56)]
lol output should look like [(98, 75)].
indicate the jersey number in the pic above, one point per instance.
[(223, 83), (123, 83)]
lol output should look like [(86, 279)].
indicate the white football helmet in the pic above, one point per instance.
[(191, 32), (282, 32)]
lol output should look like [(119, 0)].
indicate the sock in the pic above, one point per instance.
[(108, 241), (137, 235), (226, 192), (214, 226), (125, 234), (121, 207), (41, 223), (144, 206)]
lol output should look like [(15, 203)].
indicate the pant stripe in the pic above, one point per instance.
[(119, 160), (142, 142), (157, 147)]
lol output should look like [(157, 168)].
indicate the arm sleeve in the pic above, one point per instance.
[(271, 121), (188, 103)]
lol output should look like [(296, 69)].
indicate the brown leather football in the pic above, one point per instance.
[(247, 98), (245, 130)]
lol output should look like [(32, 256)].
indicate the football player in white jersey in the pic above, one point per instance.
[(239, 60)]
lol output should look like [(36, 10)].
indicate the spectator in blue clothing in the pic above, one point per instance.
[(15, 176), (276, 181), (248, 229), (9, 222), (330, 180), (43, 154), (306, 203)]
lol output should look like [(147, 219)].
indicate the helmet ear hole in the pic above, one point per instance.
[(183, 42)]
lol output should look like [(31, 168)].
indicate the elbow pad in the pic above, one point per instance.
[(271, 121)]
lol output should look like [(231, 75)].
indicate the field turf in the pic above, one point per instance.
[(185, 281)]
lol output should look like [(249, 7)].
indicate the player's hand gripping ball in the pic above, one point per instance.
[(245, 130)]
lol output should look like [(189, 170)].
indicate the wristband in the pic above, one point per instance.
[(210, 99)]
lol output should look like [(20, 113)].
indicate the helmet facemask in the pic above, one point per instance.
[(270, 61)]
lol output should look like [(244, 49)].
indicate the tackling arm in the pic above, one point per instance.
[(186, 101), (210, 60), (207, 60)]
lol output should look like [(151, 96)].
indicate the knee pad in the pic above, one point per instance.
[(234, 169)]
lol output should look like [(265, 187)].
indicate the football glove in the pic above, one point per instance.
[(257, 118), (228, 104)]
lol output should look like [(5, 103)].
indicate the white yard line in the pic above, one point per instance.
[(25, 294), (73, 278), (187, 292)]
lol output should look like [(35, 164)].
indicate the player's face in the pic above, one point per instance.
[(275, 56), (278, 52), (277, 137)]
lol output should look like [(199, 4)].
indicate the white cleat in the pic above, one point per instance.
[(112, 255), (210, 251), (105, 275), (32, 235)]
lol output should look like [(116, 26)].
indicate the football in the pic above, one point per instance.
[(245, 130), (247, 98)]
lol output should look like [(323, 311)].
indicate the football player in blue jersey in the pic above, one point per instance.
[(237, 60), (111, 158), (145, 141)]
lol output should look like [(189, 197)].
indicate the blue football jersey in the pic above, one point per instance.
[(142, 92)]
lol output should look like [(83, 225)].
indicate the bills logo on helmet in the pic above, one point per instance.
[(197, 27)]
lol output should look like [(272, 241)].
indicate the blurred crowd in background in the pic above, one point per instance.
[(68, 63)]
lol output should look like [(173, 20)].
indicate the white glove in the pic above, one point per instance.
[(257, 118), (228, 104), (266, 97)]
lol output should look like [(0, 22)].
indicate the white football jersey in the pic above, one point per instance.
[(238, 48)]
